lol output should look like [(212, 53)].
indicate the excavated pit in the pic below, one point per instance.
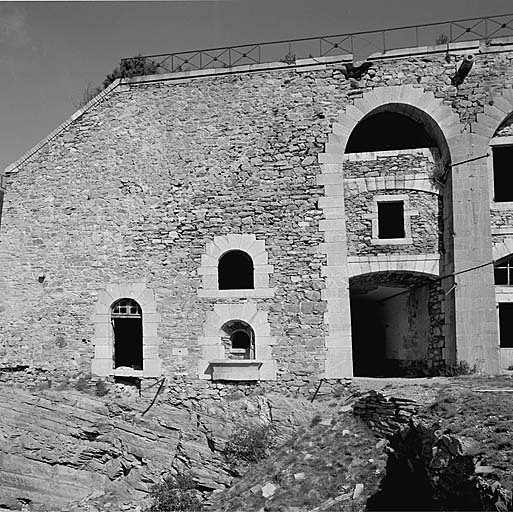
[(427, 470)]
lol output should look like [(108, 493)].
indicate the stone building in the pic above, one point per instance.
[(273, 222)]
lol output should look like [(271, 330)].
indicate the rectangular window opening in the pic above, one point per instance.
[(502, 173), (391, 219), (506, 324)]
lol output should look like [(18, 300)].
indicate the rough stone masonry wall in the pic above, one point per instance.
[(502, 218), (426, 227), (134, 189)]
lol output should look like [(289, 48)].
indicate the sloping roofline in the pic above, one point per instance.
[(311, 64)]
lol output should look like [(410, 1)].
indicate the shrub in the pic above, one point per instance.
[(81, 384), (442, 39), (101, 388), (290, 58), (175, 494), (315, 420), (460, 368), (248, 443), (128, 68)]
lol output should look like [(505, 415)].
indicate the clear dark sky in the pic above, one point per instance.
[(51, 51)]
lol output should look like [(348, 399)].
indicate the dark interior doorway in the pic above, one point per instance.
[(368, 335), (126, 318), (390, 323)]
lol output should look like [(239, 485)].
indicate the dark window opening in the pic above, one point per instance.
[(503, 272), (239, 340), (506, 324), (126, 318), (502, 173), (235, 271), (391, 219), (386, 131)]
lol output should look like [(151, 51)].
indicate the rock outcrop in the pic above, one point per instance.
[(67, 449)]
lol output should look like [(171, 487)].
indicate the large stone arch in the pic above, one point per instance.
[(444, 126)]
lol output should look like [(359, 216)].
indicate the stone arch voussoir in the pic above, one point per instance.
[(502, 249), (494, 115), (445, 125)]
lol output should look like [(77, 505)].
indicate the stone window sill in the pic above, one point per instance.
[(227, 294), (235, 369), (502, 205), (391, 241), (125, 371)]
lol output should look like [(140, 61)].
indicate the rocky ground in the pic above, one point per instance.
[(71, 450)]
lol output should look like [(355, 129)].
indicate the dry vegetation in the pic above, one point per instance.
[(337, 451), (322, 461), (485, 418)]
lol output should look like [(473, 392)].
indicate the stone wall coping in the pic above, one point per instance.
[(63, 126), (316, 62)]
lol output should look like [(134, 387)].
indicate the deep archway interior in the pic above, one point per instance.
[(379, 313), (372, 132), (387, 130)]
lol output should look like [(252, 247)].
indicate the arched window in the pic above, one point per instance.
[(126, 319), (235, 271), (503, 272), (239, 340)]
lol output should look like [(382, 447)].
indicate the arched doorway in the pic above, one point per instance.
[(126, 320)]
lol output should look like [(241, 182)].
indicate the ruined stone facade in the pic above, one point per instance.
[(142, 193)]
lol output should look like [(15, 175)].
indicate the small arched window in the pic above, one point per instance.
[(238, 339), (235, 271), (503, 272), (126, 319)]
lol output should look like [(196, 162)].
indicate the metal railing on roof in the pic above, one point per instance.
[(358, 44)]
